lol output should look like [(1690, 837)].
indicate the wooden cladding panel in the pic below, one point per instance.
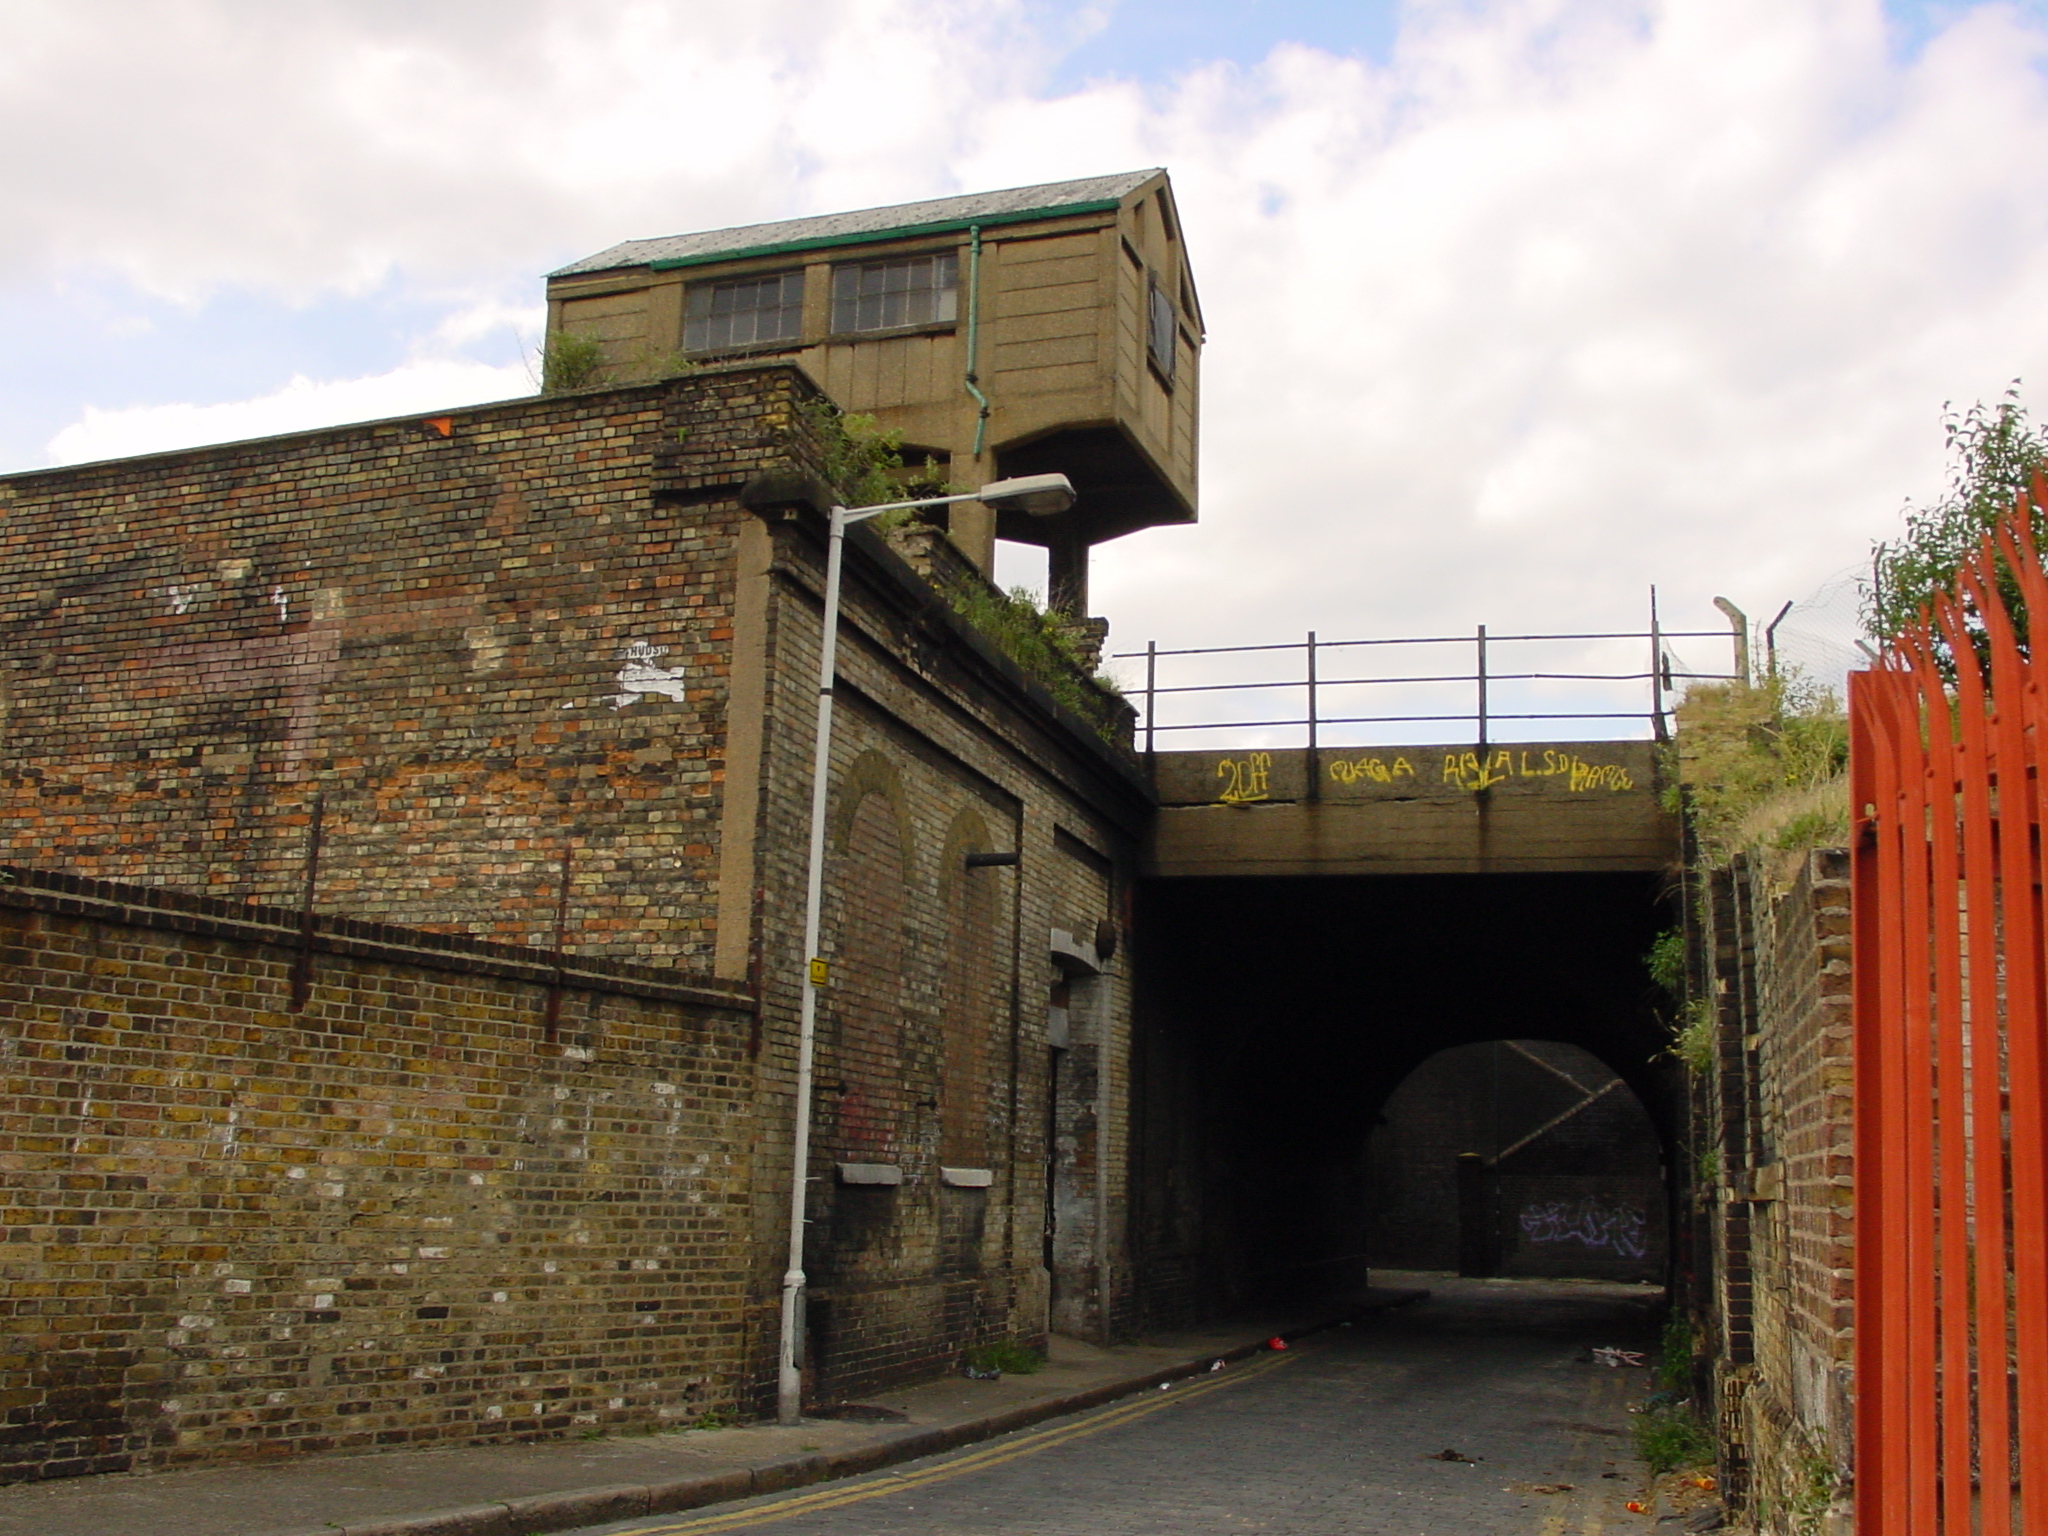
[(1052, 298), (612, 318)]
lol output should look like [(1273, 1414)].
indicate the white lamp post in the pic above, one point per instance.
[(1042, 496)]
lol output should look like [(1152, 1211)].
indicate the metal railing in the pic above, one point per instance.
[(1313, 684)]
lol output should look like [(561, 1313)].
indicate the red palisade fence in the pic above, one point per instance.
[(1951, 1051)]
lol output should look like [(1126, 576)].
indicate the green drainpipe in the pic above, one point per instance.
[(974, 334)]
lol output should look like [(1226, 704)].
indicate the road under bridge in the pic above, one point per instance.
[(1393, 1008)]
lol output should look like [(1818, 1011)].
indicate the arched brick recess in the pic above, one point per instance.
[(972, 988)]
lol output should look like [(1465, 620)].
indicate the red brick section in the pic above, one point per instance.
[(1782, 1108), (431, 630), (398, 1217)]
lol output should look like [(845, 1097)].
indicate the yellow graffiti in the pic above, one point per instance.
[(1468, 771), (1247, 779), (1377, 770)]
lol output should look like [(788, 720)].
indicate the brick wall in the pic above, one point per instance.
[(478, 644), (1780, 1119), (941, 1044), (446, 651), (401, 1215)]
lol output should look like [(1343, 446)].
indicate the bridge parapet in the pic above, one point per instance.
[(1434, 809)]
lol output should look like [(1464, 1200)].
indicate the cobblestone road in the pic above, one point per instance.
[(1339, 1436)]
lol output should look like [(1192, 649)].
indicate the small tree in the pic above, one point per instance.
[(1996, 461)]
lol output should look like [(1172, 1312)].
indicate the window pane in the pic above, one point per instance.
[(1160, 332), (880, 295), (744, 312)]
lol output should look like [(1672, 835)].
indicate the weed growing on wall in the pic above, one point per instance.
[(1692, 1037), (1666, 961), (1674, 1355), (569, 360), (1039, 641), (864, 462)]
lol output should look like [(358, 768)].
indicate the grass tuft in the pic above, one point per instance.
[(1670, 1438), (1007, 1356)]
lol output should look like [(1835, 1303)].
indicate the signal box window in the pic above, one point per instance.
[(744, 312), (1159, 331), (881, 295)]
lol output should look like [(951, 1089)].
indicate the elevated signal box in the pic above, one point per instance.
[(1043, 328)]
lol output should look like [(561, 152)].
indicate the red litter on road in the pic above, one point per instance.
[(1276, 1342)]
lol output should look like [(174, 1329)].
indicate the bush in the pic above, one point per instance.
[(1996, 458), (569, 360), (1764, 765)]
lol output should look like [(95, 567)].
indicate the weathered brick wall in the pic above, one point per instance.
[(403, 1215), (479, 636), (437, 648), (1781, 1104), (937, 1044)]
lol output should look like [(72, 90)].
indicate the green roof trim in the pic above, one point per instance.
[(875, 236)]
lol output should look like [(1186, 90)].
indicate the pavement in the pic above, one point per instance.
[(523, 1490)]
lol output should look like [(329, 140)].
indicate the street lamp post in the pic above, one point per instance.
[(1042, 496)]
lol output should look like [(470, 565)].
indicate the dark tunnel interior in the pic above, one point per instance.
[(1277, 1017)]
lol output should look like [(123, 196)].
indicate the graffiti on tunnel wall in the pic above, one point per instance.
[(1600, 1222)]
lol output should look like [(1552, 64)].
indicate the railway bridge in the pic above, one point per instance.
[(1392, 1000)]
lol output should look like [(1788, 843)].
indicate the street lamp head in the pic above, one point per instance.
[(1039, 495)]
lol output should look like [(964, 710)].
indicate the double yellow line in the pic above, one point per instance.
[(881, 1485)]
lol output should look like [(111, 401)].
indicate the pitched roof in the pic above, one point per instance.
[(1090, 194)]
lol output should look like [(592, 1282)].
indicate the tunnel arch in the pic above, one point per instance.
[(1276, 1017), (1518, 1158)]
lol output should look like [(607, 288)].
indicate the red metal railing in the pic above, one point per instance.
[(1951, 1036)]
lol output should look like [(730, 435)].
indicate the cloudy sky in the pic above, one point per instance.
[(1516, 307)]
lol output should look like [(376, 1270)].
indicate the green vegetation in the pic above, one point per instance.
[(1674, 1355), (1666, 961), (573, 360), (1005, 1355), (1692, 1037), (1996, 461), (1039, 641), (1818, 1485), (1764, 765), (569, 360), (1671, 1437), (713, 1418), (864, 463)]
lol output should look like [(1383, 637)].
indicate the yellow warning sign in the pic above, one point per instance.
[(820, 973)]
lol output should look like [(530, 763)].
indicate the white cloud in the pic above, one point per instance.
[(1566, 297), (328, 144), (301, 404)]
